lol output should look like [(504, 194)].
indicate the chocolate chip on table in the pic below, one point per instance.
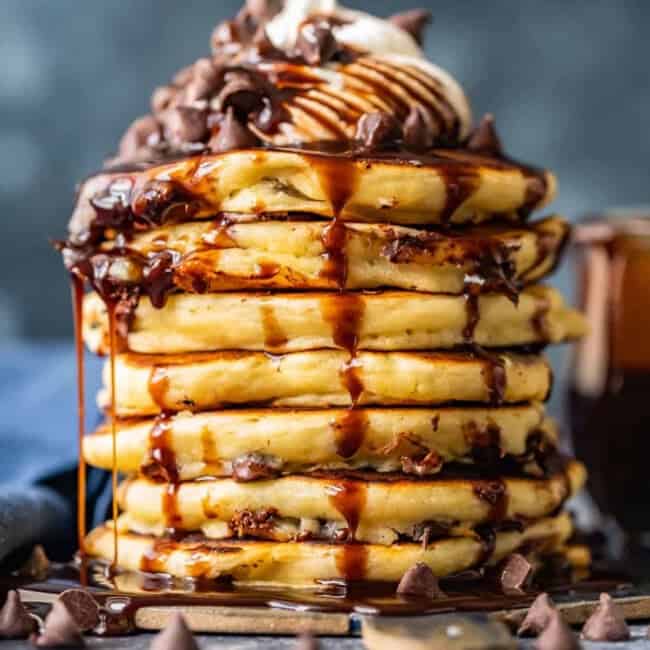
[(37, 565), (419, 132), (375, 129), (484, 139), (516, 573), (420, 581), (316, 42), (59, 630), (538, 616), (83, 608), (232, 134), (15, 620), (607, 623), (175, 636), (185, 124), (413, 22), (557, 635)]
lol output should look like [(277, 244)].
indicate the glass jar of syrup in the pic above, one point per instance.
[(609, 394)]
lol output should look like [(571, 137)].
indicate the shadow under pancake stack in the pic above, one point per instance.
[(316, 283)]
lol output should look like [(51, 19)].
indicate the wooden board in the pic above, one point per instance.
[(268, 621)]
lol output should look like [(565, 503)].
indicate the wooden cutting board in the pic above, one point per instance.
[(267, 621)]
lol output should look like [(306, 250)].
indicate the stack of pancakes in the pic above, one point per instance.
[(316, 284)]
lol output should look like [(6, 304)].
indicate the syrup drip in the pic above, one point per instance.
[(158, 385), (350, 432), (77, 289), (460, 182), (495, 494), (349, 499), (472, 292), (113, 417), (161, 464), (274, 337), (173, 517), (335, 266), (494, 372)]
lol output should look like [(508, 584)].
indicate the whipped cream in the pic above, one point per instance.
[(378, 37)]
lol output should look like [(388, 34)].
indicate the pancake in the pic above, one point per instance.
[(445, 186), (277, 441), (301, 564), (308, 321), (213, 256), (149, 384), (370, 509)]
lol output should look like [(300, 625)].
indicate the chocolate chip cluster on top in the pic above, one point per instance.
[(315, 88)]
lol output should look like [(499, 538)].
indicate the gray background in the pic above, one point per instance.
[(567, 80)]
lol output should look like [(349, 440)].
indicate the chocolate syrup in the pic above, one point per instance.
[(161, 463), (113, 421), (494, 372), (77, 310), (158, 386), (610, 386), (350, 430), (495, 494), (274, 337)]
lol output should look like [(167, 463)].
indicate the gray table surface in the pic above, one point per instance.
[(142, 642)]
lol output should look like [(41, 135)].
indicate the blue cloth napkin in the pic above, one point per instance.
[(38, 447)]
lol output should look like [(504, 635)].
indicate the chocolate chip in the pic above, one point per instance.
[(255, 467), (162, 98), (430, 464), (242, 93), (15, 621), (427, 531), (516, 573), (420, 132), (185, 124), (59, 630), (151, 202), (176, 636), (225, 35), (316, 43), (37, 566), (420, 581), (205, 78), (307, 642), (232, 134), (144, 132), (484, 139), (413, 22), (607, 623), (184, 76), (557, 635), (82, 607), (375, 129), (538, 616)]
